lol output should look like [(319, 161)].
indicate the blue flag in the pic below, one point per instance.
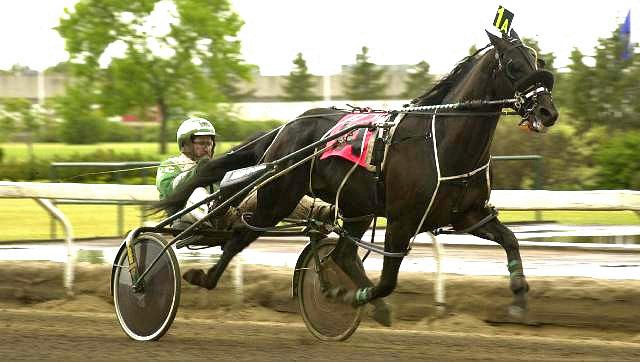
[(625, 37)]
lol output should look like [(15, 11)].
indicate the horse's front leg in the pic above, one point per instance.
[(345, 255), (396, 241), (496, 231)]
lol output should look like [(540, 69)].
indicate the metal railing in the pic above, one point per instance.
[(143, 168)]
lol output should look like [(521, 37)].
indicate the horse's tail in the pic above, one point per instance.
[(212, 171)]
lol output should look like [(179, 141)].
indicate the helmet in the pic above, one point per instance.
[(194, 126)]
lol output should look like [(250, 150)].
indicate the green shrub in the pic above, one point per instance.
[(24, 171), (237, 130), (83, 130), (39, 169), (617, 162), (119, 132), (227, 129)]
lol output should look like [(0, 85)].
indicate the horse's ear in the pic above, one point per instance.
[(514, 36), (497, 42)]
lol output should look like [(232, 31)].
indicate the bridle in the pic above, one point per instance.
[(529, 88)]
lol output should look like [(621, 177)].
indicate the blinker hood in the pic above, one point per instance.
[(543, 77)]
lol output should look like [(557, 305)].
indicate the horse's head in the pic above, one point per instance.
[(520, 73)]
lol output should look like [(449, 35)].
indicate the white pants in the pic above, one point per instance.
[(307, 207)]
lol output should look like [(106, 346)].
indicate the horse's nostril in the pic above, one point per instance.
[(547, 116)]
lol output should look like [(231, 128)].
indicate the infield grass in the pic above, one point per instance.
[(24, 219)]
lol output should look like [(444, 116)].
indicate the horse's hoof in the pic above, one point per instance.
[(517, 312), (382, 313), (441, 310), (196, 277)]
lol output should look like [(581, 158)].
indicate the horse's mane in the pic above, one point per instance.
[(437, 93)]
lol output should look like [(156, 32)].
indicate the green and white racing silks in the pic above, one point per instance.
[(172, 172)]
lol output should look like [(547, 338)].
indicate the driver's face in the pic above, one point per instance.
[(203, 146)]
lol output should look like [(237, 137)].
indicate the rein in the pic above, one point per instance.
[(423, 110), (462, 105), (426, 110), (108, 172)]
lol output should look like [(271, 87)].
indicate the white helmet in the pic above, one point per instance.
[(194, 126)]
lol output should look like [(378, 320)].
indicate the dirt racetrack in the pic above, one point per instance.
[(570, 319)]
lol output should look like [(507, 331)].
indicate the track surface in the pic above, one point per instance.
[(577, 319), (84, 336)]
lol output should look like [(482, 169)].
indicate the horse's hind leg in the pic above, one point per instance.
[(273, 204), (242, 237), (494, 230), (240, 240)]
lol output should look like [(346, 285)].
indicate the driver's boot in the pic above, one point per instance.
[(315, 209)]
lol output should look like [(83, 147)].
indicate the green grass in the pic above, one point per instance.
[(19, 151), (566, 217), (575, 217), (24, 219)]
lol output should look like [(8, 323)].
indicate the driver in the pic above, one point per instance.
[(196, 140)]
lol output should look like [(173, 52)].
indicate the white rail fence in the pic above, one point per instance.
[(502, 199)]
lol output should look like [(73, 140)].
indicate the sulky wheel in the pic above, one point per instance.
[(327, 319), (146, 314)]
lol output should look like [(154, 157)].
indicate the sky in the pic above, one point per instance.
[(329, 33)]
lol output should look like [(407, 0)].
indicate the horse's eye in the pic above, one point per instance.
[(517, 67)]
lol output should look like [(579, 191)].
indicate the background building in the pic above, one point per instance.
[(33, 85)]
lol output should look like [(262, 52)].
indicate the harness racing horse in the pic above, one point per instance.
[(435, 172)]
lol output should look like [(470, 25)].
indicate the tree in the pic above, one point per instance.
[(63, 68), (418, 80), (82, 122), (605, 94), (365, 80), (231, 89), (18, 69), (168, 54), (299, 86), (565, 155), (19, 116), (617, 158)]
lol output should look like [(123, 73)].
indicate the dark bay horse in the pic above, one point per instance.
[(424, 152)]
